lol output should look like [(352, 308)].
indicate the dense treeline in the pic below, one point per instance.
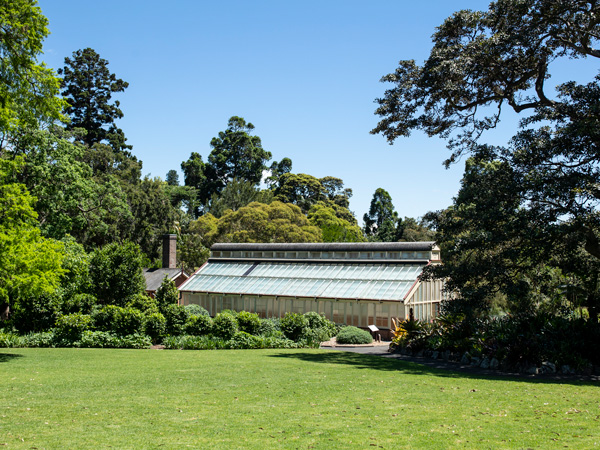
[(71, 188)]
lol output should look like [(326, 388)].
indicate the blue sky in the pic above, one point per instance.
[(304, 73)]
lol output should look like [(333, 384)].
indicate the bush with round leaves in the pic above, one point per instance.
[(294, 326), (320, 326), (121, 321), (199, 325), (177, 316), (225, 325), (143, 302), (354, 335), (70, 327), (248, 322), (196, 310), (155, 326)]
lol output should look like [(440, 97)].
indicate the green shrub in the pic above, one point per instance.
[(248, 322), (35, 313), (118, 320), (177, 316), (9, 340), (78, 303), (155, 326), (225, 325), (104, 339), (97, 339), (294, 326), (133, 341), (43, 339), (354, 335), (270, 328), (321, 328), (167, 294), (198, 325), (193, 343), (70, 327), (144, 303), (244, 340), (196, 310)]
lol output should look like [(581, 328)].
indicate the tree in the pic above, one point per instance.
[(30, 265), (300, 189), (480, 62), (380, 223), (335, 191), (236, 194), (236, 154), (172, 178), (258, 222), (116, 273), (333, 227), (88, 86), (276, 170), (166, 294), (69, 199), (414, 230), (152, 214), (194, 177), (28, 89)]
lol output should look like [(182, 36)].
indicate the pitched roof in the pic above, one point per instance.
[(154, 277), (369, 280)]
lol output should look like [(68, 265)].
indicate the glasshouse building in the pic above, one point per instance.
[(357, 284)]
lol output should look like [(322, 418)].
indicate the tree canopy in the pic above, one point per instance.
[(482, 61), (381, 221), (88, 86), (28, 89), (30, 265), (526, 214)]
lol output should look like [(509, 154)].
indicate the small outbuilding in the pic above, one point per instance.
[(358, 284)]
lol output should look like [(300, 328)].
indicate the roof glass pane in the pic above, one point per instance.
[(315, 287), (373, 281)]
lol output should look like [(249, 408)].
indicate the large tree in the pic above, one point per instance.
[(381, 222), (480, 63), (88, 86), (237, 154), (30, 265), (28, 89), (258, 222)]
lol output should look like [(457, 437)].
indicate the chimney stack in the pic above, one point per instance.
[(169, 244)]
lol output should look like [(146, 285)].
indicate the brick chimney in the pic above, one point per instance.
[(169, 245)]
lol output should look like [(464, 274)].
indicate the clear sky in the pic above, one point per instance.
[(304, 73)]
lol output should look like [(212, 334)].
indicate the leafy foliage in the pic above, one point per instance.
[(116, 273), (294, 325), (381, 220), (28, 89), (225, 325), (88, 86), (30, 265), (166, 294), (258, 222), (353, 335)]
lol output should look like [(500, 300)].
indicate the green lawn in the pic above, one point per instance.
[(96, 398)]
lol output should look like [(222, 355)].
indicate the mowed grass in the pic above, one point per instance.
[(98, 398)]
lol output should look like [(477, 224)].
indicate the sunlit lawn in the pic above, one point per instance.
[(94, 398)]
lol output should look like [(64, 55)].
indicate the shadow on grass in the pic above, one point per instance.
[(376, 362), (5, 357)]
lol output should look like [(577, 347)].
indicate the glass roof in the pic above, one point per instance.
[(341, 281)]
